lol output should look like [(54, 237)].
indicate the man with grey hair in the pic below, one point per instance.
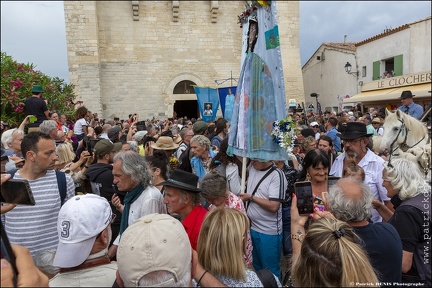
[(186, 134), (101, 178), (11, 140), (182, 197), (351, 201), (131, 175), (60, 137), (356, 141), (50, 128)]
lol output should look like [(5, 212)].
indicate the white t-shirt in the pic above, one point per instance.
[(273, 187), (78, 130)]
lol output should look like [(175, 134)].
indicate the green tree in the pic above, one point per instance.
[(17, 81)]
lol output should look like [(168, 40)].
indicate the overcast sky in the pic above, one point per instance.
[(34, 31)]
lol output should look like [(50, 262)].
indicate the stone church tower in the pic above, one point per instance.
[(145, 56)]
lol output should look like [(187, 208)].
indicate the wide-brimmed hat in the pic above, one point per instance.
[(406, 94), (376, 120), (183, 180), (37, 89), (164, 143), (354, 130)]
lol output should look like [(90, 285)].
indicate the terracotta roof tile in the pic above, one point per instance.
[(351, 46)]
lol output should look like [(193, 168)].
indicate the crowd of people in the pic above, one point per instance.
[(160, 203)]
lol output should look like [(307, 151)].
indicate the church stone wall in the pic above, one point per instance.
[(288, 18), (121, 66)]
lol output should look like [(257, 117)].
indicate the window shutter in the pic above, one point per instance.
[(376, 70)]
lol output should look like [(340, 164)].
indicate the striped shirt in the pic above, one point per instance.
[(35, 227)]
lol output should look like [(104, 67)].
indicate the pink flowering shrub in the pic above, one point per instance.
[(17, 80)]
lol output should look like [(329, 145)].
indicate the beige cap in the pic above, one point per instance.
[(156, 242)]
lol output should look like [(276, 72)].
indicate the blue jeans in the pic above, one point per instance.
[(286, 231), (266, 252)]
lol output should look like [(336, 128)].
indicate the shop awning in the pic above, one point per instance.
[(420, 91)]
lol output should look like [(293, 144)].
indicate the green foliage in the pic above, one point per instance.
[(17, 81)]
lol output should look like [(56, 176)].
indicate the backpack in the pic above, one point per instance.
[(61, 182)]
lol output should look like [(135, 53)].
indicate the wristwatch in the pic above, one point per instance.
[(298, 237), (251, 198)]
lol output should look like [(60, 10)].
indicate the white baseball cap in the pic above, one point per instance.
[(314, 124), (80, 220), (156, 242)]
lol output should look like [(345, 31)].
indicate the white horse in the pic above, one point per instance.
[(405, 136)]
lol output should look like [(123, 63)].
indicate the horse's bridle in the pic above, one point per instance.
[(403, 146)]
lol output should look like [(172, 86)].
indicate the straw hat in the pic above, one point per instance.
[(376, 120), (164, 143)]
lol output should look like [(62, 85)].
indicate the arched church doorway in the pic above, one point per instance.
[(184, 105), (187, 108)]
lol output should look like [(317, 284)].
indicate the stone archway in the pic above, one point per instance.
[(169, 97)]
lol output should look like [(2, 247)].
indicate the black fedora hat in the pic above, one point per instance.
[(183, 180), (406, 94), (354, 130)]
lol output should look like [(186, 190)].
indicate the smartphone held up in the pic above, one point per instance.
[(304, 195), (17, 191)]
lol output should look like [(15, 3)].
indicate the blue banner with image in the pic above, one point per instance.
[(208, 102), (227, 101)]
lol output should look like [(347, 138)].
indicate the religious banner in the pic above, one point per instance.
[(226, 98), (260, 95), (208, 102)]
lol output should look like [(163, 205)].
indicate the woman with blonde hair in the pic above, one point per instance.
[(215, 190), (221, 248), (410, 194), (328, 255), (76, 169)]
